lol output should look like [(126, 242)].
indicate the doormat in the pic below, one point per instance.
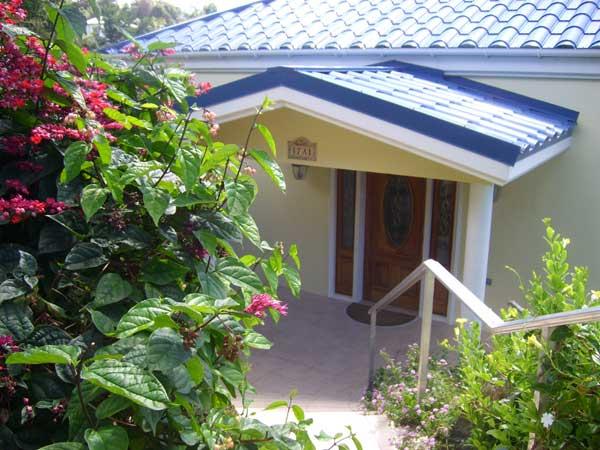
[(385, 318)]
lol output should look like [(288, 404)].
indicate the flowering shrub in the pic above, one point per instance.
[(424, 425), (126, 313), (498, 385)]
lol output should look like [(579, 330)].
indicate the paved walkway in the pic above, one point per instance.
[(323, 353)]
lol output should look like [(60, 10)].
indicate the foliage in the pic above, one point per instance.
[(126, 313), (499, 385), (423, 425)]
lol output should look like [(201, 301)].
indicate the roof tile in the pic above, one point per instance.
[(341, 24)]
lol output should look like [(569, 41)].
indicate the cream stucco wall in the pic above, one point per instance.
[(565, 189)]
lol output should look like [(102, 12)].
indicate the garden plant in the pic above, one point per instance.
[(487, 400), (132, 276)]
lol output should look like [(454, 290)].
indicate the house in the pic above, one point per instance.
[(410, 129)]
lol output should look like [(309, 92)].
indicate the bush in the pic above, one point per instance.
[(424, 425), (487, 400), (499, 385), (126, 313)]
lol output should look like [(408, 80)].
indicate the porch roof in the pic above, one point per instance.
[(498, 125)]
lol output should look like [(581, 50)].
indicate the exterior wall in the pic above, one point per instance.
[(565, 189)]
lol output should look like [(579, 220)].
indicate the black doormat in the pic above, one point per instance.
[(385, 318)]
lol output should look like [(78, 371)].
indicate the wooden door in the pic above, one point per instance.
[(442, 236), (395, 213), (344, 247)]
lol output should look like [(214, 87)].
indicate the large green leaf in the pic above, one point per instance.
[(75, 156), (257, 340), (14, 320), (211, 283), (47, 354), (163, 271), (54, 238), (156, 202), (268, 137), (238, 274), (74, 54), (92, 199), (141, 317), (293, 279), (270, 166), (129, 381), (249, 228), (64, 446), (111, 406), (12, 288), (240, 195), (17, 262), (84, 256), (111, 289), (107, 438), (166, 350), (48, 335), (188, 166)]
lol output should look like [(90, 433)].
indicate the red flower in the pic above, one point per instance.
[(261, 302)]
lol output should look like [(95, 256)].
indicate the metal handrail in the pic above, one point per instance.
[(430, 270)]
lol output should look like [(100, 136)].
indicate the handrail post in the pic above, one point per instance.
[(426, 319), (546, 332), (372, 349)]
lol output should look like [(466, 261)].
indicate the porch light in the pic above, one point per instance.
[(299, 171)]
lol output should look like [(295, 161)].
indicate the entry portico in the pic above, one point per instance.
[(419, 135)]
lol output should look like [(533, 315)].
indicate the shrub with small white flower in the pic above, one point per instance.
[(424, 425)]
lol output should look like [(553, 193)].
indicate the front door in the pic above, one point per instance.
[(395, 214)]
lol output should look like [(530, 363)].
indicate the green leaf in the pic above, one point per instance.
[(294, 255), (211, 283), (141, 317), (12, 288), (268, 137), (111, 289), (298, 413), (293, 279), (357, 443), (118, 117), (111, 406), (276, 404), (85, 255), (166, 350), (237, 274), (257, 340), (64, 446), (74, 157), (104, 149), (74, 54), (15, 320), (195, 369), (107, 438), (163, 271), (156, 202), (129, 381), (154, 46), (270, 167), (249, 228), (75, 18), (188, 169), (92, 199), (121, 97), (48, 335), (66, 81), (240, 195), (47, 354)]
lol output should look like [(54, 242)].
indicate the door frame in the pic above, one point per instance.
[(359, 240)]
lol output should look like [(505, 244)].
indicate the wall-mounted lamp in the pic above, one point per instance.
[(299, 171)]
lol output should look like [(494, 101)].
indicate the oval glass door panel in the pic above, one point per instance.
[(397, 210)]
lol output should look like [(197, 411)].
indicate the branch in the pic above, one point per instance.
[(172, 160), (80, 395)]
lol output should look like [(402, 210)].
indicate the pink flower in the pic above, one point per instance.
[(261, 302)]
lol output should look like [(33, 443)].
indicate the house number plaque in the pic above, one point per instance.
[(302, 149)]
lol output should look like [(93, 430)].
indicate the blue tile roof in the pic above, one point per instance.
[(360, 24), (483, 119)]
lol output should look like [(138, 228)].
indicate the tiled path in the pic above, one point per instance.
[(323, 353)]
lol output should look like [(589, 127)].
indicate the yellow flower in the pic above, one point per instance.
[(533, 341), (461, 321)]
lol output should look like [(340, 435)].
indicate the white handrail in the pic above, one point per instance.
[(430, 270)]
